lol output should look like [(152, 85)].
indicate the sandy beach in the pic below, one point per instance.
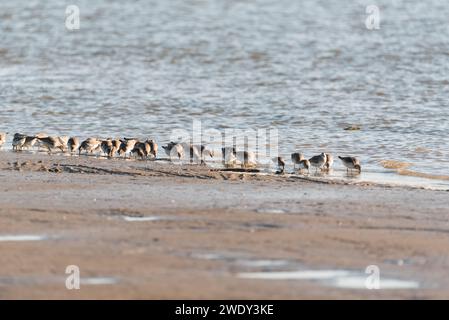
[(154, 230)]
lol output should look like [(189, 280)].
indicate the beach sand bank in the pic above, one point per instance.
[(153, 230)]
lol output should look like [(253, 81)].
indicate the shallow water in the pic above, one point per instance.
[(308, 69), (98, 281), (281, 270), (45, 280), (21, 237), (343, 279), (242, 259), (142, 219), (379, 177)]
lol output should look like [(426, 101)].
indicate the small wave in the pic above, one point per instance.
[(47, 98), (394, 164), (422, 150), (411, 173)]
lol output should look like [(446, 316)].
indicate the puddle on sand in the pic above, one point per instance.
[(358, 282), (261, 263), (271, 211), (343, 279), (98, 281), (45, 280), (151, 218), (295, 275), (209, 256), (143, 219), (241, 259), (21, 237)]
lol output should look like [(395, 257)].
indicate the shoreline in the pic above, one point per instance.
[(388, 180), (146, 229)]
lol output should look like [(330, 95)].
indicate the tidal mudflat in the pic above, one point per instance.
[(150, 229)]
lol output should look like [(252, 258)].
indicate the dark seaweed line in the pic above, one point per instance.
[(406, 229), (96, 170)]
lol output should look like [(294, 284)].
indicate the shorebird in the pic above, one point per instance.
[(38, 136), (53, 143), (145, 149), (209, 152), (41, 135), (304, 164), (153, 148), (202, 151), (89, 145), (73, 144), (18, 141), (2, 138), (64, 141), (194, 151), (168, 148), (177, 150), (280, 162), (318, 161), (174, 149), (329, 161), (106, 146), (206, 153), (296, 158), (228, 154), (141, 149), (200, 147), (127, 146), (246, 158), (227, 150), (351, 163), (116, 143), (30, 141)]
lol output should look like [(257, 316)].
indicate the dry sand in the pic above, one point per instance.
[(212, 227)]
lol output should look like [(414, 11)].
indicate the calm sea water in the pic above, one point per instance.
[(308, 68)]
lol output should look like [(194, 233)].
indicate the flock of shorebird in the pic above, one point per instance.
[(323, 161), (148, 149)]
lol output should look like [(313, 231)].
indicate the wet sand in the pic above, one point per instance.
[(153, 230)]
